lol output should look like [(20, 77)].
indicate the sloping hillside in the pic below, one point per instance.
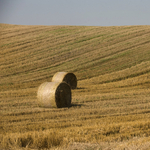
[(112, 101)]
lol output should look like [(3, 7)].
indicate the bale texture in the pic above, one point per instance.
[(69, 78), (54, 94)]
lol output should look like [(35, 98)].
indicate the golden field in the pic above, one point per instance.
[(111, 105)]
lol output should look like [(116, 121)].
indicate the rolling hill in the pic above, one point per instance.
[(111, 104)]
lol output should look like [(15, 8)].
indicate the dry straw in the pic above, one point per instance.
[(69, 78), (54, 94)]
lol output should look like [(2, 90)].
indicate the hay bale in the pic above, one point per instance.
[(54, 94), (69, 78)]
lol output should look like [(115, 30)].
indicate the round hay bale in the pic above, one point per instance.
[(69, 78), (54, 94)]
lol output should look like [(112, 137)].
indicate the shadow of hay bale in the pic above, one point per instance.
[(76, 105)]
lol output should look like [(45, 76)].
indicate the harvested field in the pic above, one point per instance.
[(111, 105)]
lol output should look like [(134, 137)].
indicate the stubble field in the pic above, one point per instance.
[(111, 105)]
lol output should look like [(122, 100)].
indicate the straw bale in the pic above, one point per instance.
[(54, 94), (69, 78)]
